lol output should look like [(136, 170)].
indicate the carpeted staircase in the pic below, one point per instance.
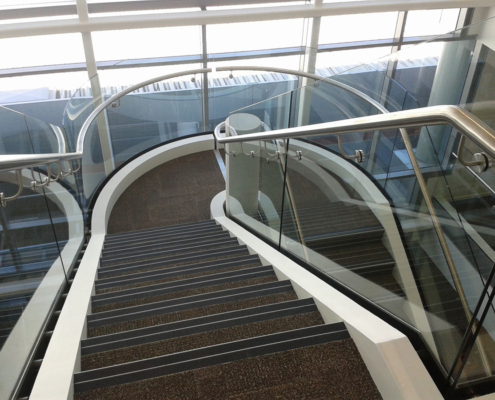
[(185, 312)]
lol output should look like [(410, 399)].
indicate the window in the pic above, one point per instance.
[(147, 43), (431, 22), (259, 35), (360, 27), (41, 50), (339, 61)]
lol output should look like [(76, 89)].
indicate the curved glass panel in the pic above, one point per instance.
[(416, 243), (41, 235)]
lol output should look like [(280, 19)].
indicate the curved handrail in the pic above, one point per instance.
[(10, 162)]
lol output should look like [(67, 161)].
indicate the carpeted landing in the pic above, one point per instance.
[(175, 317), (176, 192)]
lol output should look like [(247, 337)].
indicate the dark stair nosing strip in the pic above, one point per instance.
[(175, 241), (184, 249), (191, 330), (185, 284), (173, 272), (187, 303), (172, 260), (170, 228), (207, 356), (207, 319)]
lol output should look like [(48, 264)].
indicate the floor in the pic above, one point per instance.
[(177, 192)]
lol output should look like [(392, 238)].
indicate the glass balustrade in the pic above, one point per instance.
[(41, 235), (420, 247)]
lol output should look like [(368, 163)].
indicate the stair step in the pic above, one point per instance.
[(128, 281), (188, 339), (216, 321), (195, 226), (182, 285), (175, 241), (172, 261), (246, 280), (186, 303), (207, 356), (170, 250), (164, 239)]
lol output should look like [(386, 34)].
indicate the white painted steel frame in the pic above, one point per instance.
[(228, 16)]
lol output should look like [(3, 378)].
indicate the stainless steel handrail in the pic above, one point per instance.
[(11, 162), (462, 120)]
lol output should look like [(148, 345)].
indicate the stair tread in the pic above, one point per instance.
[(288, 375), (197, 340), (196, 310), (172, 261), (186, 274), (123, 337), (185, 293), (180, 284), (140, 232), (144, 255)]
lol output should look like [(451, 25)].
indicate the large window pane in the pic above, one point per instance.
[(131, 76), (353, 28), (263, 5), (335, 60), (37, 3), (260, 35), (41, 50), (287, 62), (431, 22), (137, 12), (147, 43)]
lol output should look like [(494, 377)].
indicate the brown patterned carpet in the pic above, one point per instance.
[(324, 372)]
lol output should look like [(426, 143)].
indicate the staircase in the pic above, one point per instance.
[(185, 312)]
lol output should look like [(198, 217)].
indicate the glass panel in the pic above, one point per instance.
[(148, 116), (342, 28), (245, 88), (44, 96), (256, 182), (41, 50), (10, 3), (147, 43), (478, 358), (138, 12), (254, 35), (287, 62), (34, 227), (428, 274), (115, 79), (431, 22), (333, 62), (258, 5)]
